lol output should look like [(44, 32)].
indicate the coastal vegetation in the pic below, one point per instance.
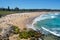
[(8, 10), (32, 35), (15, 29), (25, 34)]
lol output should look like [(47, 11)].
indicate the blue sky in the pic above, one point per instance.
[(31, 4)]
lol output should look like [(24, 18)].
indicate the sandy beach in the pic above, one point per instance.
[(19, 19)]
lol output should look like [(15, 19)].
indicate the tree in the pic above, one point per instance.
[(8, 8), (16, 9)]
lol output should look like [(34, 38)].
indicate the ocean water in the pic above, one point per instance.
[(48, 22)]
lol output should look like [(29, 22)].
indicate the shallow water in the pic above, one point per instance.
[(50, 22)]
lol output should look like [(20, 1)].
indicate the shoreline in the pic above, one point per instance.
[(19, 19)]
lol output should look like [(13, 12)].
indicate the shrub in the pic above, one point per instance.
[(16, 29)]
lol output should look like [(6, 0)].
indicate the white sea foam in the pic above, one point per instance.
[(56, 13), (43, 17), (55, 33)]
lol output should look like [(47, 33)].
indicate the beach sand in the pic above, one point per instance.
[(19, 19)]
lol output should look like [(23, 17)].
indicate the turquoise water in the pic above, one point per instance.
[(51, 22)]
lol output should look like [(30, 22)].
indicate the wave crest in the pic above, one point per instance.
[(43, 17)]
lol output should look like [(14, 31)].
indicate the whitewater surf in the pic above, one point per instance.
[(48, 22)]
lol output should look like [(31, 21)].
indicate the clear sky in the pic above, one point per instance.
[(31, 4)]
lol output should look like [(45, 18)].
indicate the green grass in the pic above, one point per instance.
[(6, 12)]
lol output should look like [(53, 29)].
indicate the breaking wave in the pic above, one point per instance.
[(49, 22)]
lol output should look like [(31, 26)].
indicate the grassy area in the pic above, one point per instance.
[(6, 12), (3, 13)]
